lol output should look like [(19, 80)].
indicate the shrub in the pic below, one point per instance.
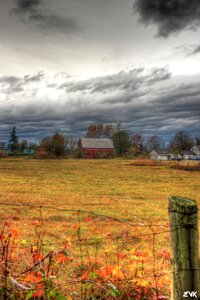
[(145, 162), (42, 153)]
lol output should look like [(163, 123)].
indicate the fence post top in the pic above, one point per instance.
[(182, 204)]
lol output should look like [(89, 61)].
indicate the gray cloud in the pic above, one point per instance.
[(170, 16), (14, 84), (195, 51), (150, 102), (54, 23), (26, 6), (123, 80), (30, 12), (34, 78), (10, 84)]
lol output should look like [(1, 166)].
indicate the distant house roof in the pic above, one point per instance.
[(189, 153), (162, 152), (198, 146), (97, 143)]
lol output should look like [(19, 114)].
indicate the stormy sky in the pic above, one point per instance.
[(68, 63)]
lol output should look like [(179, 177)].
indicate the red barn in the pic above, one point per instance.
[(96, 148)]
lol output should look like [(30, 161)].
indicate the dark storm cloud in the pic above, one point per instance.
[(30, 12), (170, 16), (151, 102), (26, 6)]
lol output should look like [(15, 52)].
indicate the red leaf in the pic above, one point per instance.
[(76, 226)]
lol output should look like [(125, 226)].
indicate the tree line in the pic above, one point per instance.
[(126, 145), (134, 145)]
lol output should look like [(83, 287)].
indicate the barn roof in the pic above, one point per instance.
[(97, 143)]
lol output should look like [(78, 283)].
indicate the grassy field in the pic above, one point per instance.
[(120, 253)]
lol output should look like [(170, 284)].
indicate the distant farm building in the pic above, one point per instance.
[(28, 151), (2, 145), (96, 148), (189, 155), (160, 154), (196, 150)]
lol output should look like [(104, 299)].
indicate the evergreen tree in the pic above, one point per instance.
[(13, 142)]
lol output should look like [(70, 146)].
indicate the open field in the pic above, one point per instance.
[(121, 253)]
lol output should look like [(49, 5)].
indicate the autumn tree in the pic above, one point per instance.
[(100, 131), (108, 130), (137, 143), (45, 143), (13, 142), (54, 145), (182, 141), (57, 144)]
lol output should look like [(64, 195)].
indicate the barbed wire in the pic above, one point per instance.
[(85, 212), (155, 230)]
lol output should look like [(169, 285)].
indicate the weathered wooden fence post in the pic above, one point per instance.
[(183, 216)]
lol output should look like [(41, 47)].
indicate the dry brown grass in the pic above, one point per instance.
[(137, 194)]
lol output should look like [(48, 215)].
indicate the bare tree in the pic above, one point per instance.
[(153, 143), (182, 141), (70, 143)]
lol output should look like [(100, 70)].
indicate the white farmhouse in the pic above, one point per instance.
[(189, 155), (196, 150), (160, 154)]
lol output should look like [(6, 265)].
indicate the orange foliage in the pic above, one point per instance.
[(15, 232), (39, 291)]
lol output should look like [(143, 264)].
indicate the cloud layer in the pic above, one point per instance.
[(31, 12), (196, 50), (145, 101), (170, 16), (13, 84)]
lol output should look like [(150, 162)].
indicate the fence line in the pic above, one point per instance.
[(77, 211), (109, 284)]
